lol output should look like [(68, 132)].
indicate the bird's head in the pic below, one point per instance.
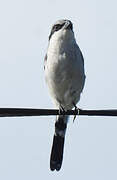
[(61, 28)]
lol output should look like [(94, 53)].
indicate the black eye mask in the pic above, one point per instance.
[(55, 28)]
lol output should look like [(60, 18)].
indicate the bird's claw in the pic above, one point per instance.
[(76, 110), (61, 110)]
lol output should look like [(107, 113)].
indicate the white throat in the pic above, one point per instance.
[(60, 40)]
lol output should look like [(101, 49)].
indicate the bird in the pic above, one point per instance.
[(65, 78)]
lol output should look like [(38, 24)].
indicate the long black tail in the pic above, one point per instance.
[(58, 143)]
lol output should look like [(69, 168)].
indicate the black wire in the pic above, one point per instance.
[(15, 112)]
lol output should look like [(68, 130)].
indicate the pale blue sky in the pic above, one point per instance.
[(25, 143)]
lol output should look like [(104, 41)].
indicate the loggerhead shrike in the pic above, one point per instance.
[(65, 77)]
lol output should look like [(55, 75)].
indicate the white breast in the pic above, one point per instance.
[(64, 69)]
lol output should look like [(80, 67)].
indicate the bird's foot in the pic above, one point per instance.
[(61, 110), (76, 111)]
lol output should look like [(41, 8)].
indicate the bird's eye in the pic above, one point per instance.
[(57, 27)]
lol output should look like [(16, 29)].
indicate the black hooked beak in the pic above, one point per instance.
[(68, 25)]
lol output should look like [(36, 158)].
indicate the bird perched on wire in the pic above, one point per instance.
[(65, 77)]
